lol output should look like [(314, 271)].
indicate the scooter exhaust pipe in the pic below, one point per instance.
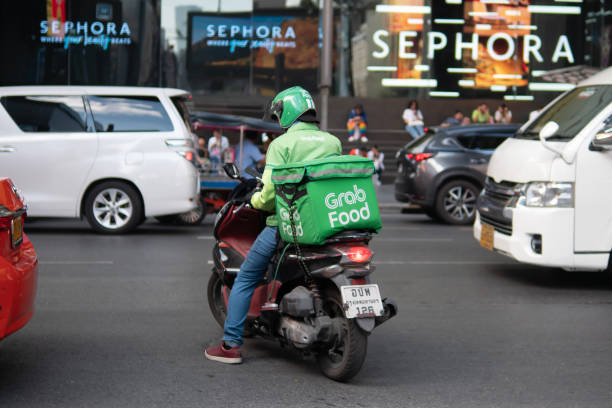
[(303, 334)]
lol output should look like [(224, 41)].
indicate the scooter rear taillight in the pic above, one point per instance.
[(357, 254)]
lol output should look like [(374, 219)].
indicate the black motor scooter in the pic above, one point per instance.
[(318, 299)]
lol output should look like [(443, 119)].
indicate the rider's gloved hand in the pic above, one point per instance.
[(249, 195)]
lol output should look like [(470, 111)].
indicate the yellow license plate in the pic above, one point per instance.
[(486, 236), (16, 231)]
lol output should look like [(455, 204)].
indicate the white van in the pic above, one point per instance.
[(114, 155), (548, 194)]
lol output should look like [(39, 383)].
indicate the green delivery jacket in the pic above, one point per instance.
[(302, 141)]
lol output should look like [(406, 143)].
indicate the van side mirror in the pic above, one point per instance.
[(602, 141), (231, 170), (548, 130)]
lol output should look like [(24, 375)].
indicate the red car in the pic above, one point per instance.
[(18, 262)]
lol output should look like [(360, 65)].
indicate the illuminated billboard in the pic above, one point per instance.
[(467, 48), (57, 30), (237, 48)]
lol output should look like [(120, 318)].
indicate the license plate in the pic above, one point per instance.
[(361, 301), (486, 236), (16, 231)]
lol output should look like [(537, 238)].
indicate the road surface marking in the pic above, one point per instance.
[(76, 262), (376, 239), (440, 263), (402, 228), (210, 262)]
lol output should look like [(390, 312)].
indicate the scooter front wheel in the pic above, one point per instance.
[(216, 301), (344, 358)]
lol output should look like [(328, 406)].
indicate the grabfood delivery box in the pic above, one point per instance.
[(548, 194), (319, 198)]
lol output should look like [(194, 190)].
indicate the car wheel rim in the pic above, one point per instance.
[(112, 208), (460, 203)]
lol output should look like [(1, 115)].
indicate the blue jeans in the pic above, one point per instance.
[(252, 270), (215, 163), (415, 131)]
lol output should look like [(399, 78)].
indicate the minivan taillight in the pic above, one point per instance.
[(189, 156), (180, 143), (418, 157), (184, 148)]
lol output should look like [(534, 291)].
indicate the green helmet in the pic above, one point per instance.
[(290, 104)]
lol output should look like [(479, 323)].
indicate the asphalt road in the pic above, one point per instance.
[(122, 321)]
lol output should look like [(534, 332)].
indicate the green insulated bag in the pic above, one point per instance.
[(327, 196)]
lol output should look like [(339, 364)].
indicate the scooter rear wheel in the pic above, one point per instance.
[(216, 302), (343, 360)]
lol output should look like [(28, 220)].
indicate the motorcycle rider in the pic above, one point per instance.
[(294, 109)]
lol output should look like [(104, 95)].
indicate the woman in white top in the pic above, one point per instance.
[(413, 118), (503, 114)]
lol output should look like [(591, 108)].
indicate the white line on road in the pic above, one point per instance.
[(396, 227), (440, 263), (210, 262), (376, 239), (76, 262), (205, 237)]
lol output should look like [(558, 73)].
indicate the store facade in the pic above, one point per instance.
[(426, 49)]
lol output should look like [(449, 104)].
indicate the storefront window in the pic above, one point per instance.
[(71, 42), (469, 48), (507, 49)]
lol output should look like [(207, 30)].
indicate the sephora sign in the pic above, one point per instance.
[(86, 33), (437, 41)]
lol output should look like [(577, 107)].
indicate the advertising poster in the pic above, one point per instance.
[(268, 49), (474, 48)]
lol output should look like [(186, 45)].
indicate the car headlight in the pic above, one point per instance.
[(543, 194)]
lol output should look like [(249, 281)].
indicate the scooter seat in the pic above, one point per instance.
[(349, 235)]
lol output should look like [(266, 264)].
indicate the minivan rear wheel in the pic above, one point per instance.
[(456, 202), (113, 207)]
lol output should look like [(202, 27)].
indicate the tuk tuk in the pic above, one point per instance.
[(215, 185)]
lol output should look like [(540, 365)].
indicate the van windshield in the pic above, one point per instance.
[(572, 112)]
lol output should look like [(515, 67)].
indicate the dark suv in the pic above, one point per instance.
[(444, 171)]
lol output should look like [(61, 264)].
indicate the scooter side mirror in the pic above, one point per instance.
[(231, 170)]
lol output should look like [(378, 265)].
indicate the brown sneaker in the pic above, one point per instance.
[(224, 355)]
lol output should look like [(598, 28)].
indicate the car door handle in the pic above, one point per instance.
[(7, 149), (478, 161)]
